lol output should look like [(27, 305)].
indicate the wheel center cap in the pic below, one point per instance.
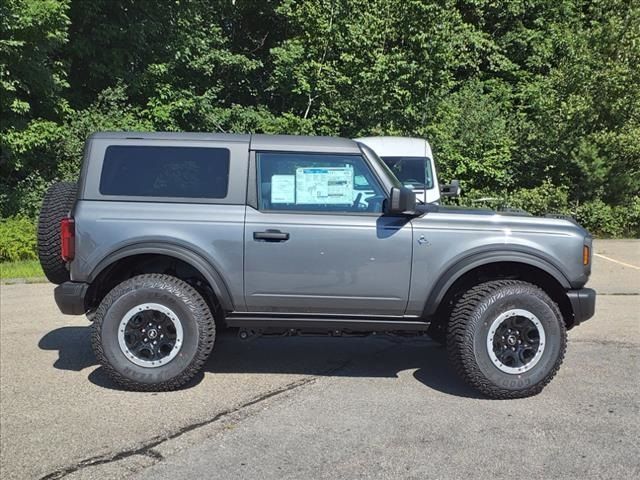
[(153, 333), (511, 340)]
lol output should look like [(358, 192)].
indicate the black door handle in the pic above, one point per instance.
[(271, 236)]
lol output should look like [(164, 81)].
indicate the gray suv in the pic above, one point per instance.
[(168, 237)]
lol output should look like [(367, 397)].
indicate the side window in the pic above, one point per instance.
[(174, 172), (317, 183)]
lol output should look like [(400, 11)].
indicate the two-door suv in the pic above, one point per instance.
[(168, 235)]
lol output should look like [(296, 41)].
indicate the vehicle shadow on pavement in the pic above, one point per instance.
[(73, 345), (368, 357)]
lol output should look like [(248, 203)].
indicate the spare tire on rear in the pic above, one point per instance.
[(56, 204)]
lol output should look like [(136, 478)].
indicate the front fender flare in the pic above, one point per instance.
[(460, 267)]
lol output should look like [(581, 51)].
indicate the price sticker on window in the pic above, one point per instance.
[(324, 186), (283, 189)]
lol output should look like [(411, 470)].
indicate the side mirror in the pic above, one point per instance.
[(451, 189), (402, 201)]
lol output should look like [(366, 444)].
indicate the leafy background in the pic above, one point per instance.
[(533, 102)]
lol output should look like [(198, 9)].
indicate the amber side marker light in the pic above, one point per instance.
[(585, 255)]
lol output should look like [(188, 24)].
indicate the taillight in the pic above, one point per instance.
[(68, 239)]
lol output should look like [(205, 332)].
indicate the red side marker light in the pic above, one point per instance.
[(68, 239)]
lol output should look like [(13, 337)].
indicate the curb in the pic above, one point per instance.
[(21, 281)]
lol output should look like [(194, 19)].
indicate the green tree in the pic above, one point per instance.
[(32, 102), (521, 99)]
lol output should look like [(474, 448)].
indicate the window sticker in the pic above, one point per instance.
[(322, 186), (283, 189)]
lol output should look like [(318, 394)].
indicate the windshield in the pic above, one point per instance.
[(413, 172), (373, 156)]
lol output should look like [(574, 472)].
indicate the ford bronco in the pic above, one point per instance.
[(167, 237)]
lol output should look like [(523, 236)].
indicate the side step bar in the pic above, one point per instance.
[(322, 322)]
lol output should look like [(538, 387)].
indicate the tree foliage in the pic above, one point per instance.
[(521, 99)]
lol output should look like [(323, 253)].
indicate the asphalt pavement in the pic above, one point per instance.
[(375, 407)]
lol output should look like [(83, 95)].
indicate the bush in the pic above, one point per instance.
[(603, 220), (547, 198), (540, 200), (17, 239), (631, 222), (599, 218)]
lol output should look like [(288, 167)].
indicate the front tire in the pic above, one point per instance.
[(506, 338), (153, 333)]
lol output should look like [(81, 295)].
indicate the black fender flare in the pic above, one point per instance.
[(180, 252), (460, 266)]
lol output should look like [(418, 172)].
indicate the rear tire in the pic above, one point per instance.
[(56, 204), (506, 338), (130, 325)]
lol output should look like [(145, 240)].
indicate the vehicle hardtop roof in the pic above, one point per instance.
[(303, 143), (202, 136), (263, 142)]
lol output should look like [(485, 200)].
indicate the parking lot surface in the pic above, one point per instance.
[(375, 407)]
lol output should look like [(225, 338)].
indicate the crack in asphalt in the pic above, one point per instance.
[(618, 294), (154, 454), (147, 449)]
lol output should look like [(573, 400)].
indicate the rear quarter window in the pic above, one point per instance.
[(158, 171)]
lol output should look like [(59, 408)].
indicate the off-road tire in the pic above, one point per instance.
[(56, 204), (195, 318), (469, 326)]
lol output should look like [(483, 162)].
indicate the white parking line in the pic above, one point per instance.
[(616, 261)]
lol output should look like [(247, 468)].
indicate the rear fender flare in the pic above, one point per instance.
[(179, 252)]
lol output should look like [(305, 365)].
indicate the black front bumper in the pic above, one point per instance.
[(70, 297), (583, 302)]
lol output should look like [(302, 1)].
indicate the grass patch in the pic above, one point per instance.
[(22, 269)]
